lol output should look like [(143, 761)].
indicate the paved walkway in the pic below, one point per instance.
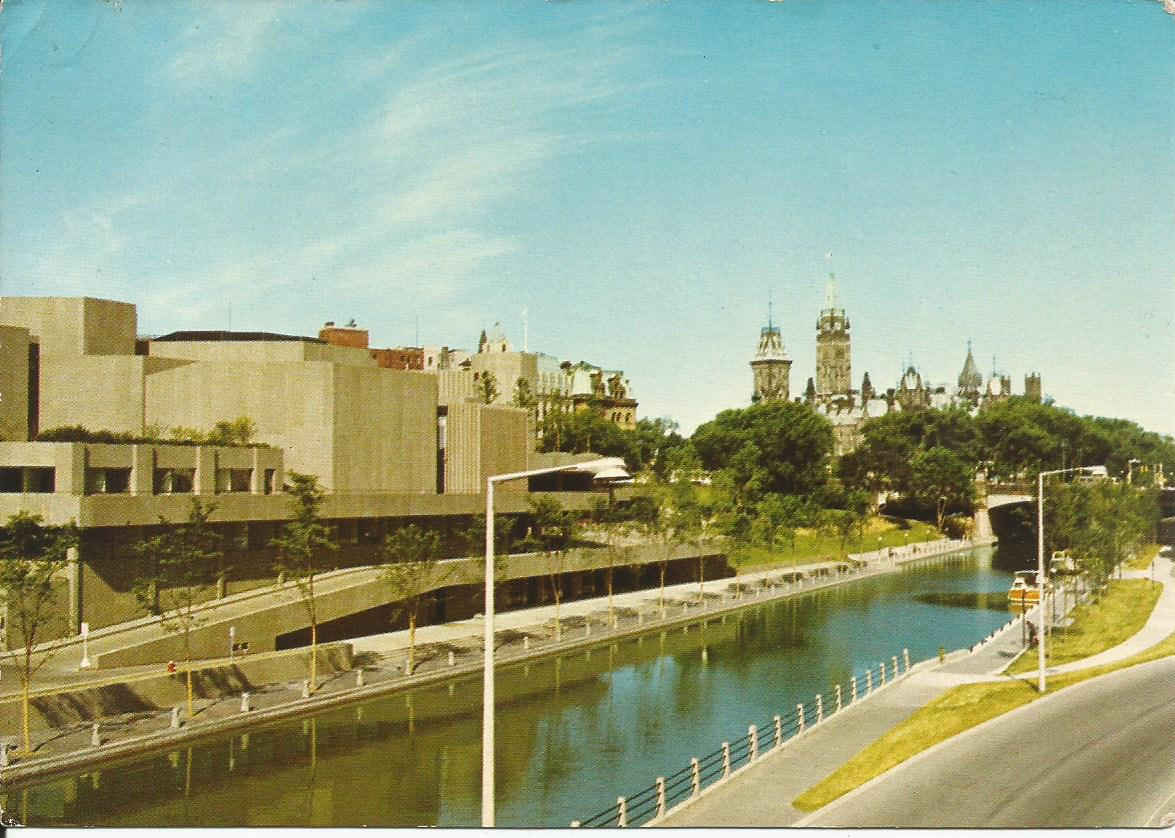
[(761, 794)]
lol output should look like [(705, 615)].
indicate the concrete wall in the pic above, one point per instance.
[(454, 386), (73, 325), (507, 368), (482, 441), (260, 352), (163, 691), (384, 431), (292, 405), (14, 383)]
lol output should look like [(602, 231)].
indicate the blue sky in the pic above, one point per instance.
[(638, 175)]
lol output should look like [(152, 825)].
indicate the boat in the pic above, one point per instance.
[(1024, 588)]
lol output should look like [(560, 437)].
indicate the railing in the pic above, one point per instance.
[(688, 782)]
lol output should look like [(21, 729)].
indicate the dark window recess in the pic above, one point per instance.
[(34, 415), (43, 480), (270, 475), (10, 480)]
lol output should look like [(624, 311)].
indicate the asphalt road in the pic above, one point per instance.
[(1097, 754)]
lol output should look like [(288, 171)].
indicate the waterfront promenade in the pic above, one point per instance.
[(444, 652), (761, 794)]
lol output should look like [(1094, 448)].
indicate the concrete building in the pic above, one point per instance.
[(553, 385), (389, 445)]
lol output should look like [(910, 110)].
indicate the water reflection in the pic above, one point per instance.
[(572, 733)]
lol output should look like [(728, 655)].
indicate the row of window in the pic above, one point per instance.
[(116, 481)]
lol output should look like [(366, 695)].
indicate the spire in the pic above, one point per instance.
[(769, 301), (970, 380), (830, 292)]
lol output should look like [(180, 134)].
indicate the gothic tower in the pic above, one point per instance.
[(771, 366), (1032, 386), (833, 355)]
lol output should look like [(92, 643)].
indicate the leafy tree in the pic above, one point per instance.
[(411, 572), (778, 516), (523, 396), (1102, 523), (941, 478), (615, 525), (769, 447), (31, 555), (553, 532), (301, 547), (487, 387), (183, 560)]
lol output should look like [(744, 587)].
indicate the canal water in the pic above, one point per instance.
[(572, 733)]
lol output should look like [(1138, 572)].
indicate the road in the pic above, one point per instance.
[(1098, 754)]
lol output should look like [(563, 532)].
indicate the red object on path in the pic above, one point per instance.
[(171, 667)]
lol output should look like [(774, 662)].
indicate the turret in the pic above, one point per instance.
[(833, 346), (770, 368)]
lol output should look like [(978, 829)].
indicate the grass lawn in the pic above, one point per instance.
[(812, 545), (950, 714), (1122, 611), (1143, 560)]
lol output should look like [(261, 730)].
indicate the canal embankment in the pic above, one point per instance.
[(446, 653)]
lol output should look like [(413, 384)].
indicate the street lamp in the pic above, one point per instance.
[(1040, 639), (608, 469)]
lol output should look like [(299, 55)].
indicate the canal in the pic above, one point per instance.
[(572, 732)]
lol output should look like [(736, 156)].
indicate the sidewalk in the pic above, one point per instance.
[(761, 794)]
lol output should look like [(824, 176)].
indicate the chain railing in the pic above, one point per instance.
[(760, 740)]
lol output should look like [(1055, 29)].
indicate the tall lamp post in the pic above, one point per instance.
[(608, 469), (1040, 639)]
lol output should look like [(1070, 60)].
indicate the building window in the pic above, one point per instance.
[(174, 481), (44, 480), (10, 481), (233, 479), (107, 481)]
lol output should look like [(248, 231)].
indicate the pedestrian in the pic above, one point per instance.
[(171, 667)]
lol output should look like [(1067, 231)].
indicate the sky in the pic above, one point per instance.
[(640, 177)]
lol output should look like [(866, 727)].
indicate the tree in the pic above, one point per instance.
[(553, 533), (487, 388), (411, 573), (770, 447), (31, 555), (615, 527), (778, 516), (941, 478), (300, 549), (183, 560)]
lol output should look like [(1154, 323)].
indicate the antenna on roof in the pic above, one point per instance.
[(524, 330), (769, 303)]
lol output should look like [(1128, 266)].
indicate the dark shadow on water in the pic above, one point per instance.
[(997, 601)]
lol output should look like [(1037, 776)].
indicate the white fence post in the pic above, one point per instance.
[(754, 734), (660, 797), (800, 715), (621, 812), (245, 702), (906, 656), (868, 681), (175, 717), (895, 666), (696, 777), (725, 759), (883, 673), (819, 708), (778, 731), (853, 689), (95, 736)]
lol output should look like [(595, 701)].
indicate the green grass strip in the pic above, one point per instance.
[(1121, 613)]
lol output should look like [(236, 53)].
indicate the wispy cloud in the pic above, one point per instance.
[(407, 190)]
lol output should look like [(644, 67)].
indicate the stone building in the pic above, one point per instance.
[(770, 367), (830, 391)]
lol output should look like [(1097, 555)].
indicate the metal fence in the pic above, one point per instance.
[(654, 801)]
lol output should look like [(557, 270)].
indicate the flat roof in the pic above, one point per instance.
[(223, 335)]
